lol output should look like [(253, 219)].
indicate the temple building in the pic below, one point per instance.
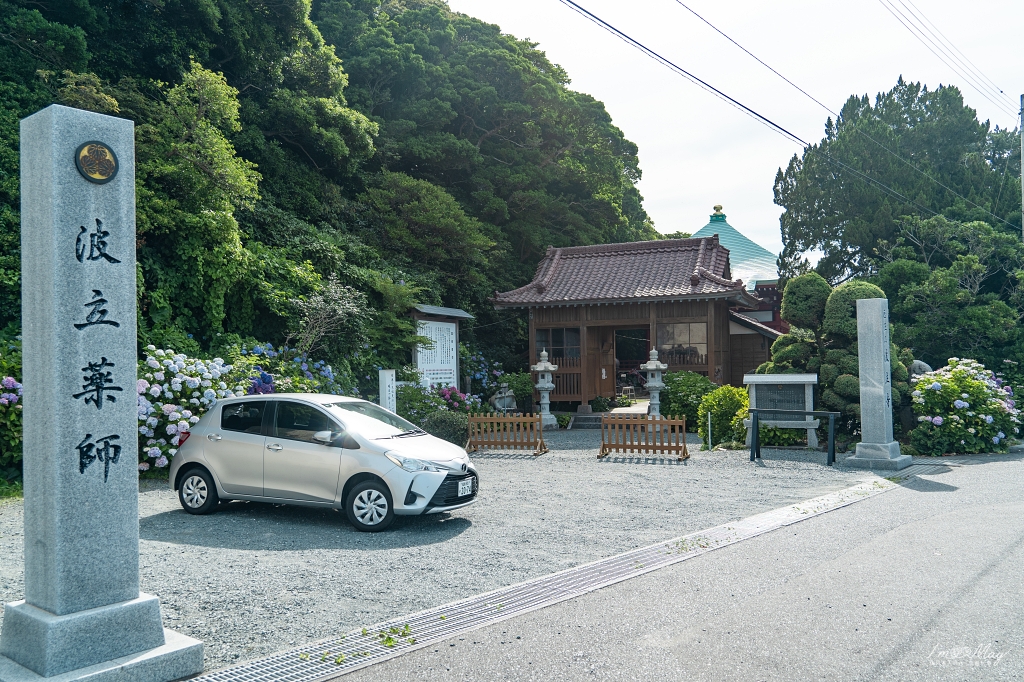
[(597, 311)]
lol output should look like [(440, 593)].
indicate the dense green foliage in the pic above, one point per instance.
[(722, 404), (830, 348), (832, 208), (963, 408), (951, 267), (448, 425), (682, 395), (953, 290), (374, 153)]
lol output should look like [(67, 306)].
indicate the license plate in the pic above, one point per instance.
[(466, 487)]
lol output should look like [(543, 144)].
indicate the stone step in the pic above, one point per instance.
[(587, 421)]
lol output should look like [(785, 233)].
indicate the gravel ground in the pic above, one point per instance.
[(256, 578)]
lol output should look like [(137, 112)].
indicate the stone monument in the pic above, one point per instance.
[(388, 389), (655, 385), (877, 449), (83, 615), (545, 386)]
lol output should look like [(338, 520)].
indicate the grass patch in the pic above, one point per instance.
[(10, 490)]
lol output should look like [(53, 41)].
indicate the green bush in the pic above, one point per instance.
[(963, 408), (450, 426), (803, 300), (682, 395), (563, 420), (841, 309), (722, 404), (771, 435), (600, 404), (847, 386), (521, 384), (416, 403)]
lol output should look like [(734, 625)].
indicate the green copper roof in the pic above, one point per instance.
[(748, 261)]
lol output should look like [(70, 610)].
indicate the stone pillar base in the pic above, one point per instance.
[(879, 456), (179, 657), (36, 644), (548, 421)]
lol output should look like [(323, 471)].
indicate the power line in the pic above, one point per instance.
[(940, 51), (829, 110), (926, 22), (742, 107)]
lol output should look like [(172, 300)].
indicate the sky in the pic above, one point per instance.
[(696, 150)]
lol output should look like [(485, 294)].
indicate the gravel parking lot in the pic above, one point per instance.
[(252, 578)]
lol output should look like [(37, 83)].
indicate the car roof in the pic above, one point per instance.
[(316, 398)]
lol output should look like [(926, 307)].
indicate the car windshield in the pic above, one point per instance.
[(372, 421)]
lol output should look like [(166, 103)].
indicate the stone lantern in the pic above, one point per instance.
[(545, 386), (654, 382)]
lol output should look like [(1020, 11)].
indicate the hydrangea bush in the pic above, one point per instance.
[(963, 408), (174, 390), (10, 423), (485, 374)]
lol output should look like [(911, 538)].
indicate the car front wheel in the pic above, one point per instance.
[(369, 507), (197, 493)]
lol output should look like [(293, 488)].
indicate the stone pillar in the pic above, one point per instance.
[(82, 607), (545, 386), (877, 449), (388, 392), (654, 383)]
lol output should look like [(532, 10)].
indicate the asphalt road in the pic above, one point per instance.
[(920, 583)]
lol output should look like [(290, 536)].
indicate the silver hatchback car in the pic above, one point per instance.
[(320, 451)]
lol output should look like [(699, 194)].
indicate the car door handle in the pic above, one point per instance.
[(214, 436), (275, 447)]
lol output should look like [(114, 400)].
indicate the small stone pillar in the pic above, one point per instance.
[(654, 383), (388, 389), (877, 449), (83, 615), (545, 386)]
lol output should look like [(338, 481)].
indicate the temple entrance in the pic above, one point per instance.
[(632, 348)]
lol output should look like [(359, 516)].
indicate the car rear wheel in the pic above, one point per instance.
[(197, 493), (369, 507)]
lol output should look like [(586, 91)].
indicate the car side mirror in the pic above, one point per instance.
[(323, 437)]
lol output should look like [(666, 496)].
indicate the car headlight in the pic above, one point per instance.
[(410, 464)]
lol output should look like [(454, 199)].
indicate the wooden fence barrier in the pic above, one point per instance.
[(506, 432), (644, 434)]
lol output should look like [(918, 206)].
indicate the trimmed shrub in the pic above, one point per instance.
[(804, 299), (848, 386), (722, 404), (600, 404), (963, 408), (841, 309), (563, 420), (450, 426), (682, 395)]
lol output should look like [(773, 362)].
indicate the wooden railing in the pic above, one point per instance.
[(567, 380), (643, 434), (506, 432)]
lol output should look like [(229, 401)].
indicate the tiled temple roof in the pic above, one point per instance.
[(668, 269)]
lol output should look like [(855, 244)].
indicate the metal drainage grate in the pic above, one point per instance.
[(331, 658)]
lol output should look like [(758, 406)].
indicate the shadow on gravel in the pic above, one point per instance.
[(277, 528), (924, 485)]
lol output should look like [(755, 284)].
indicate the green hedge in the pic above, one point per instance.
[(450, 426), (722, 404), (682, 395)]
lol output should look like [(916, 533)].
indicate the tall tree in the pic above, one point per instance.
[(833, 193)]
